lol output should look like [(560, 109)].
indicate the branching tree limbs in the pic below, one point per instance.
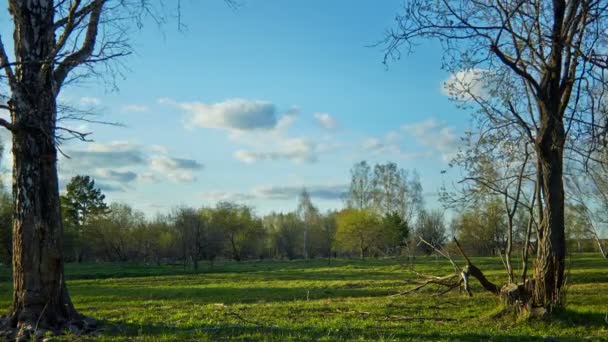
[(54, 43), (544, 59)]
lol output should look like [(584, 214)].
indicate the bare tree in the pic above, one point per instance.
[(360, 192), (546, 59)]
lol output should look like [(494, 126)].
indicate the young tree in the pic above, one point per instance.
[(357, 230), (360, 192), (309, 215), (113, 233), (213, 238), (328, 228), (81, 202), (396, 230), (189, 224), (243, 231), (541, 66), (287, 232), (431, 228)]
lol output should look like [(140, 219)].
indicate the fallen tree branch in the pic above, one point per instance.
[(460, 277)]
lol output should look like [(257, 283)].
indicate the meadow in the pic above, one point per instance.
[(314, 301)]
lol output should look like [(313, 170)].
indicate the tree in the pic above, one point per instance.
[(357, 230), (243, 231), (431, 228), (396, 230), (6, 226), (113, 233), (328, 228), (483, 227), (81, 202), (189, 224), (287, 234), (212, 238), (309, 215), (388, 189), (54, 43), (547, 59), (361, 189)]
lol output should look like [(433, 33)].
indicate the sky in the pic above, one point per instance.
[(255, 103)]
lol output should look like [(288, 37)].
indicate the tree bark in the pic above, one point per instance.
[(551, 250), (40, 297)]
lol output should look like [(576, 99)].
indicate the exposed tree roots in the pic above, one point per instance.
[(33, 330)]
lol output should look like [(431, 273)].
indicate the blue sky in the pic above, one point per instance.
[(255, 103)]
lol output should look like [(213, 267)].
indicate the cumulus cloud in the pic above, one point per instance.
[(110, 187), (435, 135), (232, 114), (321, 192), (465, 85), (324, 192), (254, 125), (297, 150), (372, 144), (89, 101), (178, 170), (119, 165), (118, 176), (226, 196), (135, 108), (389, 144), (115, 154), (325, 120)]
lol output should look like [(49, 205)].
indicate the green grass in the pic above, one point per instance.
[(309, 300)]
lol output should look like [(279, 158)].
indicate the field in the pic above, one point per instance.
[(310, 300)]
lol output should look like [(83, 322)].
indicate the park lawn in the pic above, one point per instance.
[(311, 300)]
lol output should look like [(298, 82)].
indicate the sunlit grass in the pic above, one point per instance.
[(310, 300)]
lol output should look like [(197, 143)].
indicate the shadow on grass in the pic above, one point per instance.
[(571, 318), (250, 331), (226, 295)]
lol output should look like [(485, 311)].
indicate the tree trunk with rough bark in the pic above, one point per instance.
[(551, 250), (40, 297)]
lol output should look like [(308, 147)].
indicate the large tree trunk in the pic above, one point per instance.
[(551, 250), (40, 297)]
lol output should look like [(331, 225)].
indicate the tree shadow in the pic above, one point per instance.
[(572, 318), (253, 331), (226, 295)]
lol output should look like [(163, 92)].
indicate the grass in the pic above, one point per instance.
[(309, 300)]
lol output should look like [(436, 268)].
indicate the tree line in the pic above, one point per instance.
[(383, 212)]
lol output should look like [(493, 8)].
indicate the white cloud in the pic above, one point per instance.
[(225, 196), (435, 135), (232, 114), (135, 108), (279, 193), (324, 192), (178, 170), (89, 101), (465, 85), (296, 149), (255, 127), (325, 120), (119, 165), (372, 144)]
